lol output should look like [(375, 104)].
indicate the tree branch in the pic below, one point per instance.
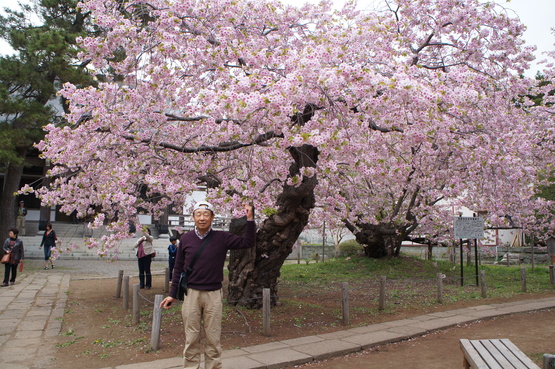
[(375, 127)]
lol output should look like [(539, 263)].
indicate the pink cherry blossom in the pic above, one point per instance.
[(415, 112)]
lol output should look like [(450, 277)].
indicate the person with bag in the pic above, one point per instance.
[(14, 247), (48, 241), (145, 254), (200, 258)]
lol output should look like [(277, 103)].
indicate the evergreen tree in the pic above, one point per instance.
[(43, 36)]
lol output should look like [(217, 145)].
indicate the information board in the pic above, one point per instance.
[(469, 227)]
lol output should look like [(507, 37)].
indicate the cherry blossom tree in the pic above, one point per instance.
[(445, 132), (375, 116)]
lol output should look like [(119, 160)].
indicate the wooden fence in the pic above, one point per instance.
[(123, 284)]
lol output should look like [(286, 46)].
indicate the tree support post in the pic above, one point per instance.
[(548, 361), (523, 278), (345, 302), (440, 288), (156, 322), (167, 281), (136, 311), (382, 293), (266, 302), (476, 261), (118, 287), (483, 283), (126, 292), (462, 266)]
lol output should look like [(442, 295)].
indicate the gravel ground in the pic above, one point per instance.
[(86, 269)]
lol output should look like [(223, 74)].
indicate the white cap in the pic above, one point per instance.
[(203, 205)]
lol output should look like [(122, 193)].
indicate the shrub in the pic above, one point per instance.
[(350, 248)]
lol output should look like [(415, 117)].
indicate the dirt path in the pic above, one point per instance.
[(97, 331), (533, 333)]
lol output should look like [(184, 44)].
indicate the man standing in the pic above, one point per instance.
[(202, 306), (20, 220)]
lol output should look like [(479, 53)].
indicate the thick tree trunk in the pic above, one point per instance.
[(12, 180), (379, 240), (250, 271)]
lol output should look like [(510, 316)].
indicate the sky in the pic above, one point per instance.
[(537, 15)]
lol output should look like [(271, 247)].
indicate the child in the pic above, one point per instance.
[(172, 252)]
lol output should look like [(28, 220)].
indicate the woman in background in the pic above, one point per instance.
[(48, 241), (145, 253), (13, 246)]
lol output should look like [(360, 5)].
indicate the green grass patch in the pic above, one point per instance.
[(408, 279)]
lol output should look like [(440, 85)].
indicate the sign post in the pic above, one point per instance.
[(470, 228)]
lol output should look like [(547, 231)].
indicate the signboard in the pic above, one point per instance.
[(469, 227)]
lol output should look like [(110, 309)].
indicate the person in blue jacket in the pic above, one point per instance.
[(172, 253)]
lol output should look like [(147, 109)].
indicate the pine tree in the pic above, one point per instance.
[(43, 36)]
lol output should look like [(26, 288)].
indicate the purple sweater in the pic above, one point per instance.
[(208, 272)]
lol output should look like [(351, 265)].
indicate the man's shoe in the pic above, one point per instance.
[(52, 266), (5, 285), (12, 283)]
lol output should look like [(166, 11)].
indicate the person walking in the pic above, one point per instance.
[(202, 305), (21, 213), (172, 253), (145, 253), (13, 246), (48, 241)]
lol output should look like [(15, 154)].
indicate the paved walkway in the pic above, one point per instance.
[(31, 313)]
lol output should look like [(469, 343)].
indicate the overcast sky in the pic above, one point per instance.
[(537, 15)]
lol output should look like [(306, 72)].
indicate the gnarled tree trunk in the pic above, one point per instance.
[(379, 240), (252, 270)]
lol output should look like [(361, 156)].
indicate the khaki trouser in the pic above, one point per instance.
[(20, 225), (202, 318)]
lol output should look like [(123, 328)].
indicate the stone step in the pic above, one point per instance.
[(77, 234)]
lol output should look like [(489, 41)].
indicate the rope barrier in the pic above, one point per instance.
[(330, 292), (144, 298), (351, 288), (332, 288)]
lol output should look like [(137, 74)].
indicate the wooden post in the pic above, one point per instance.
[(266, 302), (523, 278), (126, 292), (439, 288), (483, 283), (156, 322), (548, 361), (551, 274), (167, 282), (382, 293), (323, 242), (462, 266), (469, 254), (136, 311), (476, 260), (118, 287), (345, 302)]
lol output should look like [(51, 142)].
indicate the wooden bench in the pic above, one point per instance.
[(494, 354)]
